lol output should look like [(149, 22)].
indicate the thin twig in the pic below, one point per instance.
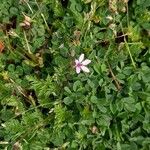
[(114, 77), (21, 91)]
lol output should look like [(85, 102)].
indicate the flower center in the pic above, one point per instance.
[(79, 65)]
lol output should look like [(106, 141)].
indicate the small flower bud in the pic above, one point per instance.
[(94, 129), (26, 23), (28, 19), (109, 18)]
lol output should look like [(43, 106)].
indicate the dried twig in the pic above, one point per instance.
[(114, 78)]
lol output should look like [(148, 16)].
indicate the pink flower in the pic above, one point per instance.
[(81, 64)]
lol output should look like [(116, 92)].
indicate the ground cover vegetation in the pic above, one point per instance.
[(53, 98)]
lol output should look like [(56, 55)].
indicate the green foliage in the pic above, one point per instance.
[(45, 104)]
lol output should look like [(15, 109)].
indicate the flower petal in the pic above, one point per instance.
[(86, 62), (85, 69), (81, 57), (76, 62), (78, 69)]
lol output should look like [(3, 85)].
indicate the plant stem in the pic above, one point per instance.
[(29, 7), (127, 47), (27, 44)]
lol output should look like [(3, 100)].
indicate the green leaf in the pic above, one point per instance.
[(118, 146), (94, 99), (97, 68), (113, 108), (68, 100), (67, 89), (130, 107), (103, 68), (77, 85), (102, 108)]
